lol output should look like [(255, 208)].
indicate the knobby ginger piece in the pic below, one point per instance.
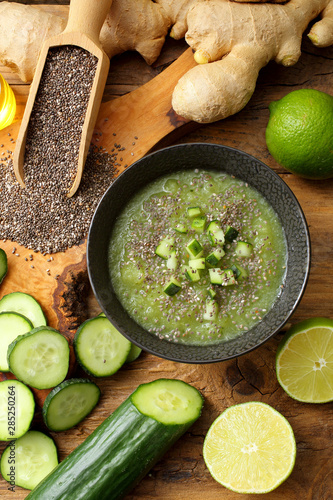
[(234, 41), (24, 28)]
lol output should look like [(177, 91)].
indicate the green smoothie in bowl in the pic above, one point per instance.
[(197, 257)]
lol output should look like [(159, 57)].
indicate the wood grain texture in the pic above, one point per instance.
[(181, 474)]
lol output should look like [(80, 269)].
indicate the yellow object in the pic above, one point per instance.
[(299, 134), (304, 361), (7, 104), (250, 448)]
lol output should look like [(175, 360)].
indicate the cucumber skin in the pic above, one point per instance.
[(3, 264), (113, 459)]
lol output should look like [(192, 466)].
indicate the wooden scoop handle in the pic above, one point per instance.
[(87, 16)]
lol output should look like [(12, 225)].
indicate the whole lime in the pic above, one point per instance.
[(299, 134)]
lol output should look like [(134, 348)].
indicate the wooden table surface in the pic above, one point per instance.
[(181, 473)]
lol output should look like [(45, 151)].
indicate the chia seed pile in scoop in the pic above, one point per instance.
[(41, 217), (57, 117)]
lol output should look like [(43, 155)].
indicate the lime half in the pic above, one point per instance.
[(250, 448), (304, 361)]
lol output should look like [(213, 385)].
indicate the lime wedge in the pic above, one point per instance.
[(250, 448), (304, 361)]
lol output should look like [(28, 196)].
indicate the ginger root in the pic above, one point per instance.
[(24, 28), (237, 40), (232, 41)]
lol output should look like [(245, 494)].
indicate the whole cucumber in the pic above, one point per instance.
[(121, 451)]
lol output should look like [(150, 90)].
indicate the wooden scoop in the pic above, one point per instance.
[(84, 24)]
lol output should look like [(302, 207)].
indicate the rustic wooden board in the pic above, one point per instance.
[(182, 473)]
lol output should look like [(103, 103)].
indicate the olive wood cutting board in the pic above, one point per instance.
[(181, 473)]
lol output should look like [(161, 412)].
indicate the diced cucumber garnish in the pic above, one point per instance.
[(228, 277), (132, 273), (194, 248), (239, 271), (40, 358), (244, 249), (11, 325), (193, 211), (172, 262), (230, 233), (24, 304), (197, 263), (199, 223), (180, 228), (212, 293), (215, 276), (215, 256), (211, 310), (17, 406), (100, 348), (3, 264), (215, 233), (172, 287), (165, 247), (192, 275), (223, 277), (69, 403), (35, 457)]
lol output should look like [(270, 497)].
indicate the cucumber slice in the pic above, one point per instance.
[(193, 211), (228, 277), (192, 275), (180, 228), (17, 406), (134, 353), (215, 256), (215, 276), (230, 234), (100, 348), (172, 262), (28, 460), (165, 247), (211, 293), (11, 325), (172, 287), (122, 450), (215, 233), (211, 310), (39, 358), (24, 304), (197, 264), (223, 277), (194, 248), (3, 264), (244, 249), (69, 403), (239, 271), (199, 223)]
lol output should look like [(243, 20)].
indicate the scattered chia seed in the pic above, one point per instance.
[(42, 217), (46, 220)]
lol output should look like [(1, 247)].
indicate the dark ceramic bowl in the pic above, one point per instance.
[(209, 157)]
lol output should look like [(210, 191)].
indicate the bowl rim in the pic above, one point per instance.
[(175, 358)]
